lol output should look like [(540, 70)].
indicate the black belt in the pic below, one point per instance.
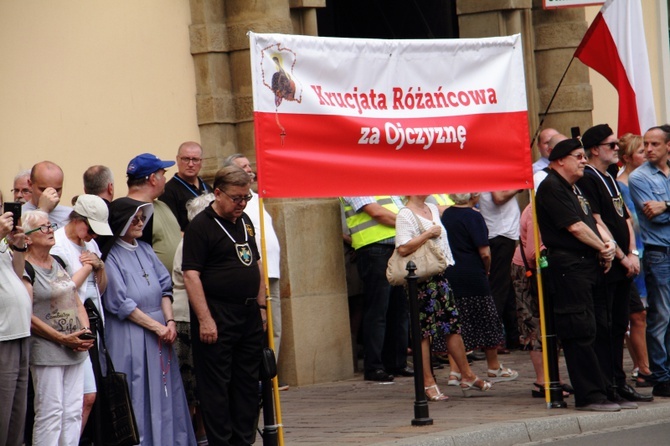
[(656, 248), (246, 302), (572, 252)]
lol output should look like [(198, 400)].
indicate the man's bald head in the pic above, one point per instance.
[(43, 175), (543, 141), (555, 140)]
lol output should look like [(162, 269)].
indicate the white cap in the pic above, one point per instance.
[(96, 212)]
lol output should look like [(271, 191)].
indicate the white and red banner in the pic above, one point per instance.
[(350, 117), (614, 46)]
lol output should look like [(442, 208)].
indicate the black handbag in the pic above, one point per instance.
[(119, 427)]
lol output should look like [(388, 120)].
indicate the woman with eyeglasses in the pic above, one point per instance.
[(632, 153), (58, 353), (75, 245), (140, 329)]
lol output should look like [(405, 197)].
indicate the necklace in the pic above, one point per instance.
[(190, 189), (144, 273), (243, 250), (165, 368), (617, 200)]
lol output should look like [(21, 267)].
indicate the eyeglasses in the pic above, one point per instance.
[(579, 156), (22, 191), (187, 160), (238, 200), (611, 145), (44, 228), (137, 220)]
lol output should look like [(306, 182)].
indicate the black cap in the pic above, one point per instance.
[(595, 135), (563, 148)]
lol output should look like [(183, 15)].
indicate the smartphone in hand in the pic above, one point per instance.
[(15, 209)]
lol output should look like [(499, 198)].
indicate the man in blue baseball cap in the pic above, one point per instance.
[(142, 166), (146, 182)]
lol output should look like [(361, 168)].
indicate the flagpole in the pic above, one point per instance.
[(268, 313), (553, 393), (553, 96)]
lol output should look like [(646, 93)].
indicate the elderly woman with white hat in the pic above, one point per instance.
[(76, 246)]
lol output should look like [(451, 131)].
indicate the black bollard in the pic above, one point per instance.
[(270, 433), (421, 416), (551, 344)]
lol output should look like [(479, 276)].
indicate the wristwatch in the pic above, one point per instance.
[(667, 206), (635, 252)]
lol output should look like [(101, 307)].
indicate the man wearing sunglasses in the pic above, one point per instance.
[(576, 250), (612, 297)]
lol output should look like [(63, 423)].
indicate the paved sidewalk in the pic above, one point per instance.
[(357, 412)]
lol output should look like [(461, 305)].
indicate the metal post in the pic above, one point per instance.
[(270, 435), (421, 416)]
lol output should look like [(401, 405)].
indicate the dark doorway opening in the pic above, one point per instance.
[(389, 19)]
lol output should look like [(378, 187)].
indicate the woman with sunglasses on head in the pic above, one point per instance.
[(75, 245), (57, 352), (140, 329)]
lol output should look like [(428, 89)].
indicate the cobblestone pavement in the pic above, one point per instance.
[(358, 412)]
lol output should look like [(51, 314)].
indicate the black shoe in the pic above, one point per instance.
[(662, 389), (628, 393), (476, 356), (378, 375), (406, 371)]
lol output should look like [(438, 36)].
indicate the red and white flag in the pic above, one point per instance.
[(350, 117), (614, 46)]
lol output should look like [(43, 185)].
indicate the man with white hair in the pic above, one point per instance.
[(22, 191)]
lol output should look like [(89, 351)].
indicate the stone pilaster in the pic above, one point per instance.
[(549, 39), (557, 34)]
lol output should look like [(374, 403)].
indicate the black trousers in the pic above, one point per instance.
[(572, 282), (612, 311), (500, 281), (227, 373)]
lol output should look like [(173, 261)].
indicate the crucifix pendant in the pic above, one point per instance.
[(146, 276)]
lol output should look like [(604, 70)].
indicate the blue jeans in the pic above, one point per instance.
[(385, 314), (657, 277)]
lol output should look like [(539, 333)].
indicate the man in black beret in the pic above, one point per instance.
[(575, 253), (612, 298)]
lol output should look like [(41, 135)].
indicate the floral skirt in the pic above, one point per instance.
[(437, 311), (481, 326), (527, 310)]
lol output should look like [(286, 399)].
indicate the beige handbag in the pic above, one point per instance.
[(429, 259)]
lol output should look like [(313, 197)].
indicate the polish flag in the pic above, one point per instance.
[(614, 46)]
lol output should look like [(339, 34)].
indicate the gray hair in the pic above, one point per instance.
[(196, 205), (97, 178), (461, 198), (30, 219), (23, 173), (230, 160)]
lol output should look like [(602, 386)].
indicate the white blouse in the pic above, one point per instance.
[(406, 228)]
